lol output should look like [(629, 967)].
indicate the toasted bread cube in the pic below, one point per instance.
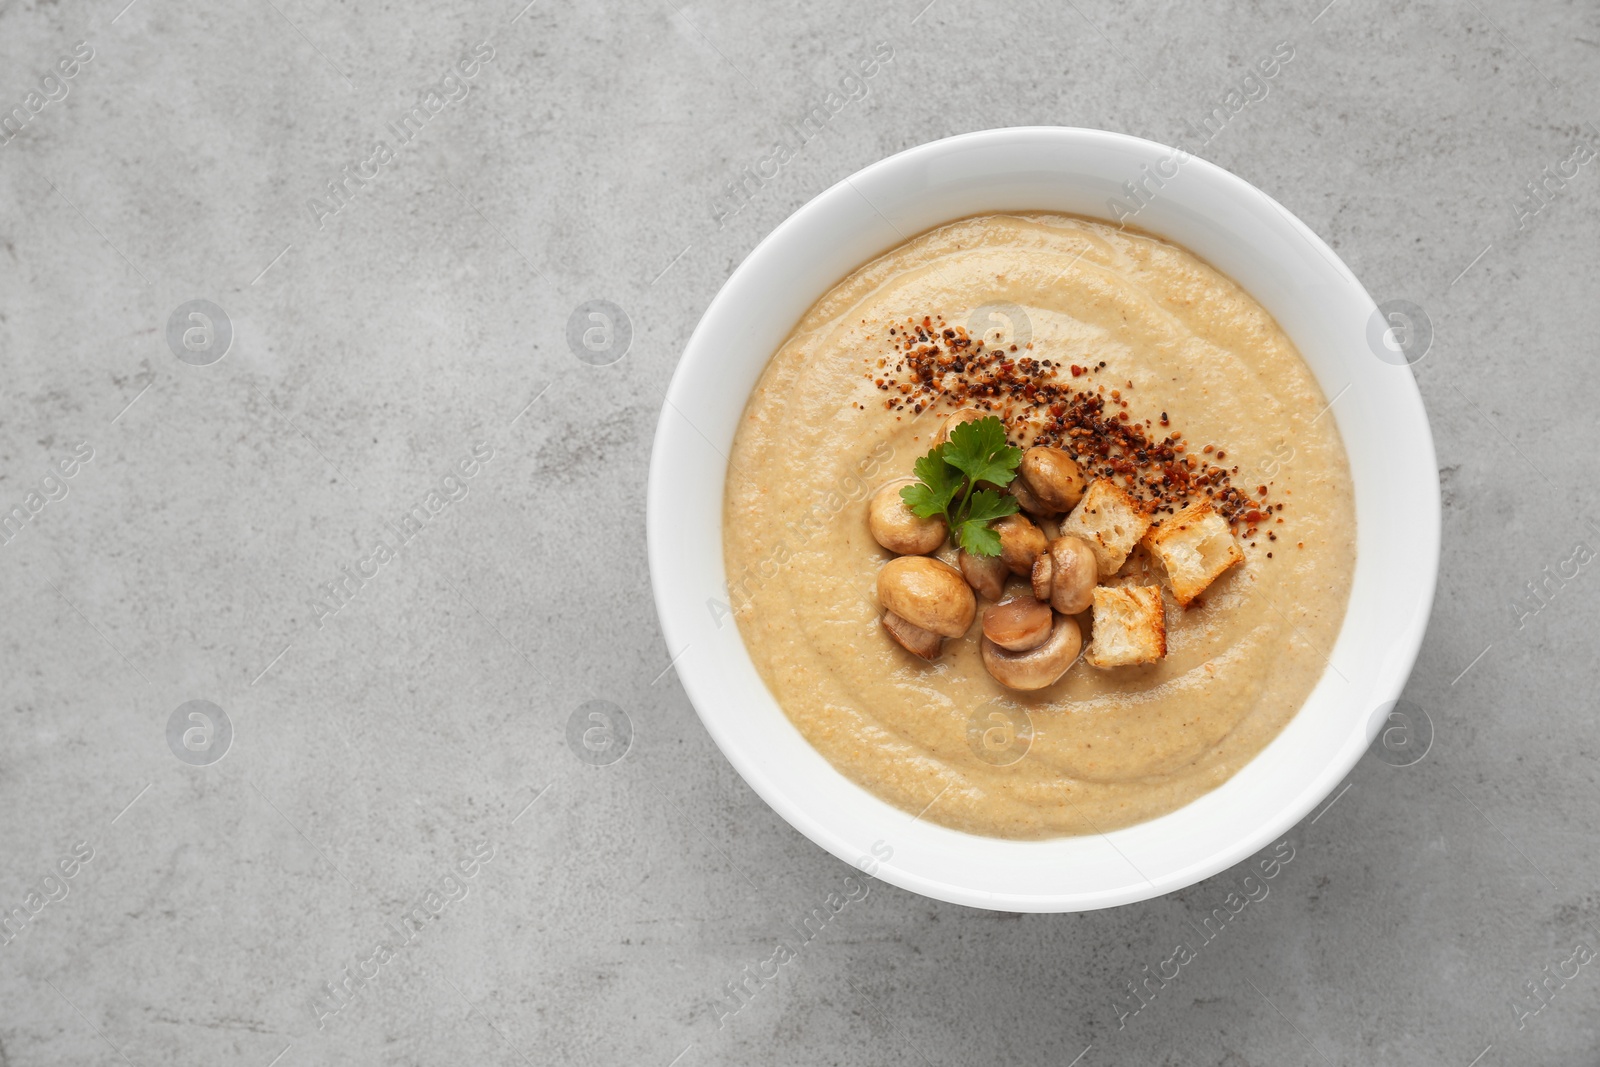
[(1195, 546), (1130, 626), (1111, 521)]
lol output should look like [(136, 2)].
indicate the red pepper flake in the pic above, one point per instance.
[(1101, 432)]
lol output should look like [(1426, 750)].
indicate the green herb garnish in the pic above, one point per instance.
[(948, 478)]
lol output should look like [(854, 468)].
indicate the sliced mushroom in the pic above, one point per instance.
[(1074, 574), (928, 594), (986, 574), (1042, 577), (1037, 667), (954, 419), (1018, 624), (1053, 477), (1026, 500), (913, 639), (899, 529), (1020, 542)]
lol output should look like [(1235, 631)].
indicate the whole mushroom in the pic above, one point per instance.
[(1020, 542), (986, 574), (928, 594), (1052, 477), (1037, 667), (1018, 624), (1073, 575), (1026, 500), (954, 419), (1042, 576), (899, 529), (913, 639)]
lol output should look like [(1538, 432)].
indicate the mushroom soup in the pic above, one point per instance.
[(1171, 568)]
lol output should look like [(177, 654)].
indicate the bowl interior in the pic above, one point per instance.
[(1240, 231)]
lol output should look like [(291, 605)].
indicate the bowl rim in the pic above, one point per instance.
[(1388, 676)]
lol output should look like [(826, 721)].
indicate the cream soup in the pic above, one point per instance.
[(1099, 749)]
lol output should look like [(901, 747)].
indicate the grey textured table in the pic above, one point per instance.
[(394, 536)]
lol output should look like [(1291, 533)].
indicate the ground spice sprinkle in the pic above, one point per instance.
[(931, 361)]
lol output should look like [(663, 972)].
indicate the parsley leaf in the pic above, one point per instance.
[(938, 486), (979, 450), (948, 477), (974, 534), (978, 539)]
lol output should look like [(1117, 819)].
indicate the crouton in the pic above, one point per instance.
[(1195, 546), (1130, 626), (1111, 521)]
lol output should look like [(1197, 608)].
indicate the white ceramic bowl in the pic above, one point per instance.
[(1239, 230)]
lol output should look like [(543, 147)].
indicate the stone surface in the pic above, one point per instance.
[(376, 747)]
